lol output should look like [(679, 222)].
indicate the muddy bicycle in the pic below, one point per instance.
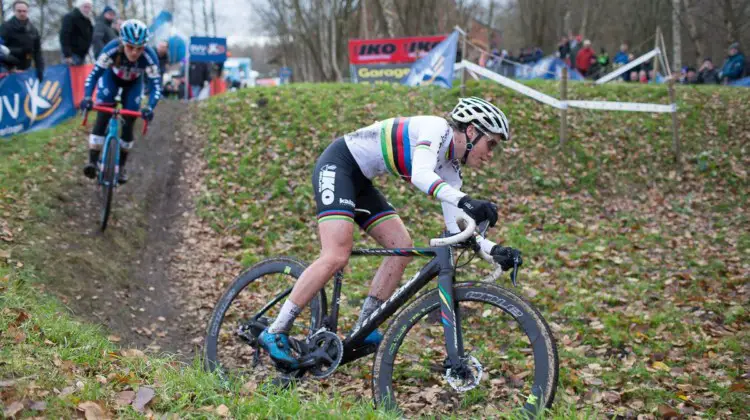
[(460, 344), (108, 167)]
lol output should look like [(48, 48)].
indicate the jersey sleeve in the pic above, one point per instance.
[(103, 62), (153, 76), (425, 158)]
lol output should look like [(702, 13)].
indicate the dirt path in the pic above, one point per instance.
[(132, 278)]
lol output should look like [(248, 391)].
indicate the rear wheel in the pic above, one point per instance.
[(107, 182), (510, 355), (230, 346)]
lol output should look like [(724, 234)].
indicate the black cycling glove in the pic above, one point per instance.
[(479, 210), (506, 257)]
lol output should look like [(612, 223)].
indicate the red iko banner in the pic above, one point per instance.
[(391, 50)]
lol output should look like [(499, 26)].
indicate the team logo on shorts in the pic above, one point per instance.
[(326, 182)]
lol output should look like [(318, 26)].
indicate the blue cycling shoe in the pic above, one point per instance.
[(374, 337), (278, 347)]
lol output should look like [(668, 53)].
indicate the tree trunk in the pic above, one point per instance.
[(700, 48), (382, 26), (334, 40), (729, 22), (585, 18), (363, 19), (2, 11), (205, 18), (145, 11), (213, 14), (122, 11), (676, 36), (192, 14), (391, 17)]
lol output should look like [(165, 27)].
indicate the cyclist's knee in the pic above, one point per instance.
[(334, 261), (127, 129)]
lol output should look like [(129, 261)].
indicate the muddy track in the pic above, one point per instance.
[(121, 278)]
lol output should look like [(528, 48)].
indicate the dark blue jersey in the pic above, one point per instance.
[(113, 59)]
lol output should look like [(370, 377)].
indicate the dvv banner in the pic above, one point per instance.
[(436, 68), (208, 49), (28, 105)]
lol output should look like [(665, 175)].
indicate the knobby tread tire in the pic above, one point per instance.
[(546, 364)]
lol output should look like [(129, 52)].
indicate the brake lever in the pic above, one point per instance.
[(514, 273)]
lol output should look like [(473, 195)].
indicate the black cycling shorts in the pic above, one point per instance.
[(343, 192)]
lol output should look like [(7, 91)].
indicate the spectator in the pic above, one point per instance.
[(621, 58), (583, 58), (76, 33), (734, 66), (575, 47), (162, 51), (603, 58), (595, 69), (643, 76), (691, 77), (6, 60), (633, 76), (200, 73), (23, 40), (563, 49), (104, 30), (707, 73)]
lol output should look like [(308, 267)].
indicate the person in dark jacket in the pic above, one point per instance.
[(734, 66), (76, 34), (162, 51), (199, 74), (23, 40), (104, 30), (707, 73)]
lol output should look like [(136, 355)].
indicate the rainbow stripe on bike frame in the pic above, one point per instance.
[(448, 319)]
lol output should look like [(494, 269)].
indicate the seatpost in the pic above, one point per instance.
[(333, 318)]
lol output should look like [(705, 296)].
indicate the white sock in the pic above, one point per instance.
[(285, 319)]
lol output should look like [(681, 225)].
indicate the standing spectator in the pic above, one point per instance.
[(76, 33), (200, 73), (563, 49), (734, 66), (691, 77), (575, 47), (603, 59), (23, 40), (595, 69), (707, 73), (621, 58), (162, 52), (104, 30), (583, 58)]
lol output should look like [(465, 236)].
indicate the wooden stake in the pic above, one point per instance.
[(675, 125), (564, 111), (656, 45)]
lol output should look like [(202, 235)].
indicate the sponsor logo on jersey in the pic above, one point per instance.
[(326, 184)]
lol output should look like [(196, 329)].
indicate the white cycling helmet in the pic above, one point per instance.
[(486, 116)]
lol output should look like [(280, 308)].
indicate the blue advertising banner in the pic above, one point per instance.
[(208, 49), (436, 68), (160, 27), (28, 105)]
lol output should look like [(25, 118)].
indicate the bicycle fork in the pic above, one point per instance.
[(449, 313)]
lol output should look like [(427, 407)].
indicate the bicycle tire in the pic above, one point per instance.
[(280, 265), (546, 364), (107, 186)]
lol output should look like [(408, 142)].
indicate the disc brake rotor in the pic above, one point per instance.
[(469, 379)]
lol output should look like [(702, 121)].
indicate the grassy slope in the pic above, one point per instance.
[(637, 264), (55, 361)]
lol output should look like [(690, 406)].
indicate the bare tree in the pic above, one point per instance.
[(213, 15), (205, 18)]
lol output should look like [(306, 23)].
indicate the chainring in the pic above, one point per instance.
[(328, 349)]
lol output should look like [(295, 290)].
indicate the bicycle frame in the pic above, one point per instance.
[(440, 266)]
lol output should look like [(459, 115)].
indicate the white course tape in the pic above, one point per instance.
[(512, 84), (645, 57), (623, 106)]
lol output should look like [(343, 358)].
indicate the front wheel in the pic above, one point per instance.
[(508, 348), (107, 181)]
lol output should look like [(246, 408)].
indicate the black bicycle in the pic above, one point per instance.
[(454, 346), (108, 167)]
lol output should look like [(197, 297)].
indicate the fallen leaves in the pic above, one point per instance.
[(13, 408), (93, 411), (142, 398)]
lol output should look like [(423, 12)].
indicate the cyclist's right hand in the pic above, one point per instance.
[(479, 210), (86, 104)]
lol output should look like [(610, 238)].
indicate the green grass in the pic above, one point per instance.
[(620, 243), (632, 259)]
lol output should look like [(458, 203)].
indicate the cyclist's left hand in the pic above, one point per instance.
[(505, 256), (147, 114)]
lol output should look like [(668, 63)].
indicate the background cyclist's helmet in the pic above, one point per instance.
[(134, 32), (486, 116)]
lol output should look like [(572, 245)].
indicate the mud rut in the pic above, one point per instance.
[(154, 303)]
